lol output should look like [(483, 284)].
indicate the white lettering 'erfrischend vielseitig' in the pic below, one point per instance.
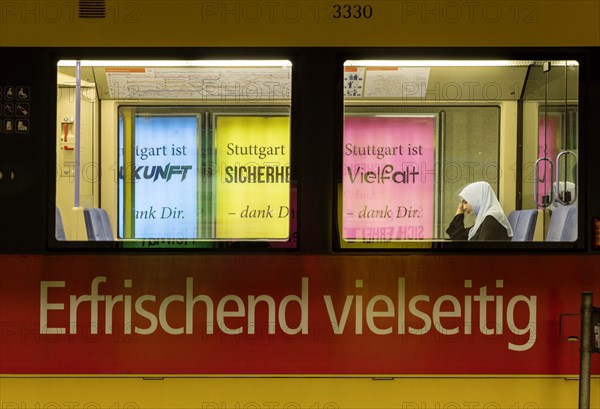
[(417, 314)]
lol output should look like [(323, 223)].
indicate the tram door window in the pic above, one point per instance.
[(400, 183), (188, 151), (82, 101), (551, 140)]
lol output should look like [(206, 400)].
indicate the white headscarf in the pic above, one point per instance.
[(482, 199)]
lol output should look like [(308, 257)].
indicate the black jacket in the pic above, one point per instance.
[(490, 229)]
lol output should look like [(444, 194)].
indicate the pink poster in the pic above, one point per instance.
[(548, 140), (388, 182)]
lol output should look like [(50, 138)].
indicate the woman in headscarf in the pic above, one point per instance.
[(479, 200)]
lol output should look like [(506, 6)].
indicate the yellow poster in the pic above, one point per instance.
[(253, 177)]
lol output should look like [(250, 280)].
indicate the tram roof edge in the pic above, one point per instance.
[(300, 23)]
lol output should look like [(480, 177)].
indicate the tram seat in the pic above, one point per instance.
[(59, 228), (563, 224), (97, 224), (523, 224)]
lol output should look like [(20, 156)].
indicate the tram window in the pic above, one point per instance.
[(417, 132), (169, 153)]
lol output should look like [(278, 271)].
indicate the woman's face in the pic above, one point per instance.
[(468, 208)]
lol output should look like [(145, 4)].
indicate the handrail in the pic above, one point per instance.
[(558, 197), (537, 180)]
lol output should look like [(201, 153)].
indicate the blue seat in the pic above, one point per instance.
[(59, 228), (97, 224), (523, 224), (563, 224)]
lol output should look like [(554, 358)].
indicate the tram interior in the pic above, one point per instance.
[(221, 129)]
